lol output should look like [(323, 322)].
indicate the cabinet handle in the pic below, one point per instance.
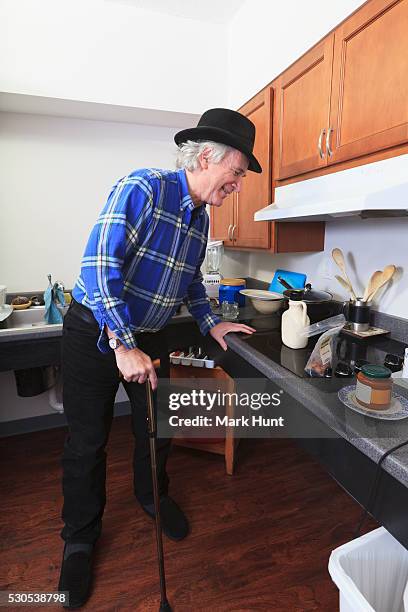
[(229, 231), (319, 146), (328, 149), (233, 232)]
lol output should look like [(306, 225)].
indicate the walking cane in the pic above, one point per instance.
[(151, 426)]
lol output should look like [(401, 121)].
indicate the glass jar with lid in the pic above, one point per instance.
[(374, 387), (230, 290)]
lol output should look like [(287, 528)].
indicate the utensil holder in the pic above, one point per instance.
[(357, 313)]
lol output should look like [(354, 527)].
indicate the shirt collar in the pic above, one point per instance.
[(185, 197)]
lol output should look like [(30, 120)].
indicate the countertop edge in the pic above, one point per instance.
[(396, 464)]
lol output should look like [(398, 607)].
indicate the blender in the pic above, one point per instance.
[(212, 277)]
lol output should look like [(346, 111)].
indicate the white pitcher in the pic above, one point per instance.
[(294, 321)]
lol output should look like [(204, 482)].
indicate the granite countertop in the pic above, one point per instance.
[(371, 436)]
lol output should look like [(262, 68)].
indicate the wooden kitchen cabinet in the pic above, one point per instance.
[(347, 97), (302, 111), (369, 100), (233, 222), (222, 220), (256, 188)]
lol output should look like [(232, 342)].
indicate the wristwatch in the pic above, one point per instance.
[(114, 343)]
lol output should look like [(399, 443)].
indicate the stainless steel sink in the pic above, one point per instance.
[(29, 319)]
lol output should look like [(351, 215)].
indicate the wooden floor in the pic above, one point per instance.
[(260, 540)]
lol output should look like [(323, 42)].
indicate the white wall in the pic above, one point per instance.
[(275, 35), (368, 245), (111, 52), (55, 175)]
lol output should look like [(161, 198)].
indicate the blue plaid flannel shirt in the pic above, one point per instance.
[(143, 257)]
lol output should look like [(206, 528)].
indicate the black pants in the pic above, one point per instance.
[(91, 381)]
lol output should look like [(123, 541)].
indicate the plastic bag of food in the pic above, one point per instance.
[(326, 324), (322, 355)]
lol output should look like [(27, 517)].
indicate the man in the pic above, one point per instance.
[(142, 261)]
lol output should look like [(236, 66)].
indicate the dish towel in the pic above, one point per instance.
[(52, 295)]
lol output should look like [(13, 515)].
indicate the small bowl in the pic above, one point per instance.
[(266, 302), (21, 306)]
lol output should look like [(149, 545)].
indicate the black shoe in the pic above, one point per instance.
[(173, 520), (75, 577)]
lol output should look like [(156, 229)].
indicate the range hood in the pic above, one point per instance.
[(379, 189)]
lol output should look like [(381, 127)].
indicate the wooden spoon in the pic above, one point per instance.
[(343, 283), (386, 276), (372, 283), (339, 260)]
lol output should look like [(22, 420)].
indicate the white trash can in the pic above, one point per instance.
[(371, 573)]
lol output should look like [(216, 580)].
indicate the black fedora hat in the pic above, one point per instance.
[(227, 127)]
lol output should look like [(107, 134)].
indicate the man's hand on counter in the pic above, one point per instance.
[(218, 331)]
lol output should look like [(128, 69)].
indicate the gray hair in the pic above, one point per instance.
[(188, 153)]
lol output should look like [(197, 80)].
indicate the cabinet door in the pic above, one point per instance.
[(256, 188), (303, 107), (222, 220), (369, 107)]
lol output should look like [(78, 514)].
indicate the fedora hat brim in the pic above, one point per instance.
[(217, 134)]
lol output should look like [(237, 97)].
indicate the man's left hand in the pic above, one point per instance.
[(218, 331)]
